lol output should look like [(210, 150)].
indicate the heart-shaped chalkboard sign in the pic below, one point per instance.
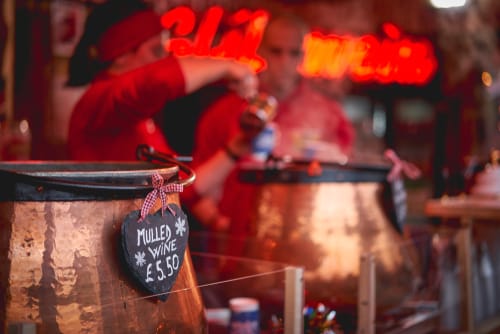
[(154, 248)]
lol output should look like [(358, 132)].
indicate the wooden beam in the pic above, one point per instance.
[(9, 15)]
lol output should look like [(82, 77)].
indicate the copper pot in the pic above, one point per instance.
[(60, 262), (324, 217)]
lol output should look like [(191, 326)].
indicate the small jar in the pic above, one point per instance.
[(245, 316), (260, 111)]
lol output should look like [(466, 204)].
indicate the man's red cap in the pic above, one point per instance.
[(127, 34)]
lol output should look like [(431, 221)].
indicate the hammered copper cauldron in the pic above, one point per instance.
[(324, 217), (60, 264)]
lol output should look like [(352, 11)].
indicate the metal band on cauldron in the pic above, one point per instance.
[(296, 172)]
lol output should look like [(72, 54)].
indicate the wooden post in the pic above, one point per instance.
[(9, 15), (465, 245), (294, 300), (366, 295)]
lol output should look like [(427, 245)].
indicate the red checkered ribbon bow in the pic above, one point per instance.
[(401, 167), (160, 190)]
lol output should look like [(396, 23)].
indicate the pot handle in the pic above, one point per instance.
[(148, 153), (144, 152)]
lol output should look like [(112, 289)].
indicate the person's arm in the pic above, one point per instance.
[(344, 131), (213, 172), (200, 71), (210, 178), (219, 144), (141, 93)]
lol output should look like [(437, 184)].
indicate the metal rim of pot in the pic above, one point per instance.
[(144, 153)]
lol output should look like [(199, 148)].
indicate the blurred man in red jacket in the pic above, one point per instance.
[(310, 124)]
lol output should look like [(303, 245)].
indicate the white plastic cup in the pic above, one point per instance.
[(245, 316), (264, 143)]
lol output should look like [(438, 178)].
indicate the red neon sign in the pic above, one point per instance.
[(240, 41), (395, 58), (366, 58)]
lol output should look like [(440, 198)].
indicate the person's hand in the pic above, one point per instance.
[(207, 213), (242, 79), (200, 71), (240, 144), (258, 114), (260, 111)]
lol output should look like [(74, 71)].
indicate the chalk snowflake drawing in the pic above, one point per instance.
[(140, 259), (180, 226)]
